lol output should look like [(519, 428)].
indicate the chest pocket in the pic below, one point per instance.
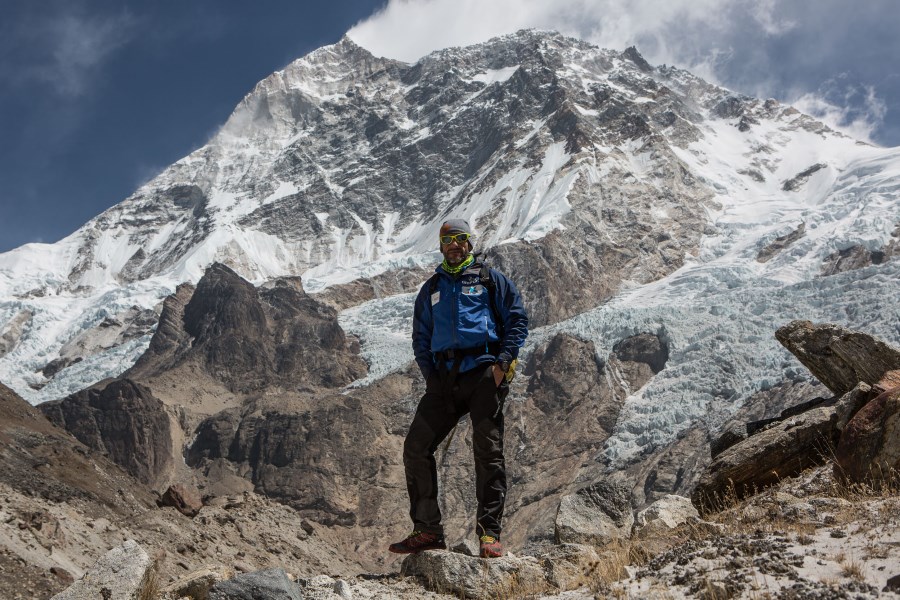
[(473, 290)]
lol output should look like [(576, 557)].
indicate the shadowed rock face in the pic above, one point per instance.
[(122, 420), (40, 459), (869, 448), (248, 339), (318, 460)]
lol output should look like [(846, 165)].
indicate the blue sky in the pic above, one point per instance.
[(99, 96)]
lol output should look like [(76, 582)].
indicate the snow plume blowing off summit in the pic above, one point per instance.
[(626, 198)]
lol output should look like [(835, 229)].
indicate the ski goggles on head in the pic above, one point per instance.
[(456, 237)]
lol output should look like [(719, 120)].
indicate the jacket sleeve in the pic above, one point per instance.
[(515, 320), (421, 332)]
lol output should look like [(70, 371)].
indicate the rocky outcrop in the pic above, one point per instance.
[(838, 357), (780, 243), (857, 256), (569, 408), (124, 572), (122, 420), (13, 330), (324, 455), (170, 339), (248, 339), (674, 469), (783, 450), (861, 435), (799, 180)]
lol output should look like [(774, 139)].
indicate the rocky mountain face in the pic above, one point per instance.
[(581, 168)]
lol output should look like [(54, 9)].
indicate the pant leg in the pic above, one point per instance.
[(486, 410), (434, 420)]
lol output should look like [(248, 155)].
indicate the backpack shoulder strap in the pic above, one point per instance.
[(484, 274)]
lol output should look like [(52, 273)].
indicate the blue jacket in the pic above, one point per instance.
[(458, 316)]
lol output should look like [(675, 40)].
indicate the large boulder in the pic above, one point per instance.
[(664, 515), (481, 579), (838, 357), (184, 498), (595, 515), (123, 573), (783, 450), (869, 448)]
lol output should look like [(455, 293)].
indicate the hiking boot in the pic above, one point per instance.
[(491, 547), (418, 541)]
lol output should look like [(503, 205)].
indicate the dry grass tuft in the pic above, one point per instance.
[(853, 568)]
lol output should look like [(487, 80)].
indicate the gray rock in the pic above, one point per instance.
[(595, 515), (271, 584), (662, 516), (481, 579), (342, 589), (122, 573)]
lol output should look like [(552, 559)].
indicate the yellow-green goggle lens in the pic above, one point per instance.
[(459, 237)]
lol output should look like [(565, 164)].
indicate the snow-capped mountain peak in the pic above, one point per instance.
[(624, 198)]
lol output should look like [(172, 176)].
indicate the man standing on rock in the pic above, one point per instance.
[(468, 326)]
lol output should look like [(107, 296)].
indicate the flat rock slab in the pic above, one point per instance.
[(783, 450), (447, 572), (838, 357), (121, 575), (762, 460)]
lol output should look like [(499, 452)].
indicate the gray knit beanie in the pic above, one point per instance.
[(453, 226)]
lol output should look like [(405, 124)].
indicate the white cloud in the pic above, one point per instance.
[(66, 51), (859, 118), (764, 11), (83, 44), (409, 29)]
